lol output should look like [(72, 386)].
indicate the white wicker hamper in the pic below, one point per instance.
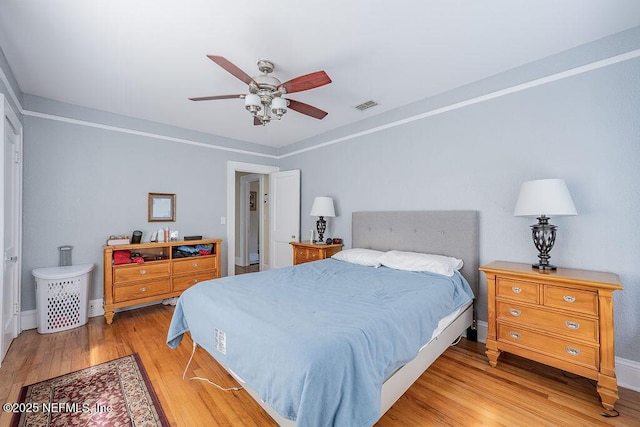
[(62, 297)]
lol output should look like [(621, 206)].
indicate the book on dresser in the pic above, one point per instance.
[(562, 318), (147, 272)]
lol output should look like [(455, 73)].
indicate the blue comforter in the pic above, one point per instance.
[(317, 340)]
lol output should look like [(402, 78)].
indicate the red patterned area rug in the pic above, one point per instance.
[(115, 393)]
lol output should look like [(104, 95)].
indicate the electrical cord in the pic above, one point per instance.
[(594, 384), (608, 415), (195, 345)]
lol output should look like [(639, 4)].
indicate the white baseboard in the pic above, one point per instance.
[(29, 318), (627, 371)]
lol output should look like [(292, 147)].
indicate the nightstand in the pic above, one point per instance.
[(562, 318), (305, 252)]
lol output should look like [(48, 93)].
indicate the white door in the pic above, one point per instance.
[(285, 215), (10, 210)]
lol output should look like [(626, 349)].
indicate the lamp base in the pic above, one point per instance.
[(544, 236), (544, 266)]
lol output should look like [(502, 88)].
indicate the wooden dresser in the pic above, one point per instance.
[(305, 252), (562, 318), (165, 272)]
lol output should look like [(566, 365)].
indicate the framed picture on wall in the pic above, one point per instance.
[(162, 207), (252, 200)]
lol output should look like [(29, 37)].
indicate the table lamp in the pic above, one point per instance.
[(544, 198), (322, 206)]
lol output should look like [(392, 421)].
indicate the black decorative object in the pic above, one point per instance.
[(544, 236)]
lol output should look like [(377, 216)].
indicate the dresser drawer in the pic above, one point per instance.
[(518, 290), (576, 300), (569, 351), (306, 255), (565, 324), (141, 290), (133, 273), (182, 283), (194, 264)]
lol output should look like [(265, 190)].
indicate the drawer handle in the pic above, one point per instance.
[(572, 325), (514, 335), (516, 290), (573, 351), (143, 271), (195, 264), (569, 298), (195, 280), (143, 289), (515, 312)]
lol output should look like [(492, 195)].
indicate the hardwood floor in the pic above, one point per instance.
[(459, 389), (248, 269)]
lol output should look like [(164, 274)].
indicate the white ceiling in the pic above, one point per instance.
[(144, 58)]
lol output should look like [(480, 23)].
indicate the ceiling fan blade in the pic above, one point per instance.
[(306, 82), (307, 109), (230, 67), (210, 98)]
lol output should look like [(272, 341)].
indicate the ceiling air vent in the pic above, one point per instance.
[(366, 105)]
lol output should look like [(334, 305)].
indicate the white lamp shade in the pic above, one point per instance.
[(548, 197), (322, 206), (278, 103), (252, 100)]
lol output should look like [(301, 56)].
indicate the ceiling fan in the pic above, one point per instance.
[(264, 100)]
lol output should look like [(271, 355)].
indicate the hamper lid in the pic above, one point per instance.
[(62, 272)]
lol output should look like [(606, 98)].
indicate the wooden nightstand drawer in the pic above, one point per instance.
[(141, 290), (565, 324), (306, 252), (580, 354), (194, 264), (571, 299), (306, 255), (147, 271), (182, 283), (518, 290)]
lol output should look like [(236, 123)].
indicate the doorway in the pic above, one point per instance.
[(234, 197), (250, 224)]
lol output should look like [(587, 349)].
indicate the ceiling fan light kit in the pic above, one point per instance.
[(264, 100)]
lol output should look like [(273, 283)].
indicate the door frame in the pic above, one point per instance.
[(10, 115), (232, 168)]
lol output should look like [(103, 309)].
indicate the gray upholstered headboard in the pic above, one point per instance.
[(452, 233)]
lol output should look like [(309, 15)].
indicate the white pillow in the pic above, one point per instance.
[(414, 261), (360, 256)]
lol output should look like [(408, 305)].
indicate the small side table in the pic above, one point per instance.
[(306, 252)]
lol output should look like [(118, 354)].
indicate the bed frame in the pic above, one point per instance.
[(453, 233)]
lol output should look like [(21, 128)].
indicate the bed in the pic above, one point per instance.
[(314, 353)]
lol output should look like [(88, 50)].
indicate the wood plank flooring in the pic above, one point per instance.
[(459, 389)]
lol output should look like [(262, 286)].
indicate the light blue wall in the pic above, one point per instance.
[(585, 129)]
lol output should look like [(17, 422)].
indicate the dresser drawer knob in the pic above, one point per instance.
[(516, 290), (195, 280), (569, 298), (143, 271), (571, 325), (515, 312), (143, 289), (514, 335), (573, 351), (195, 264)]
